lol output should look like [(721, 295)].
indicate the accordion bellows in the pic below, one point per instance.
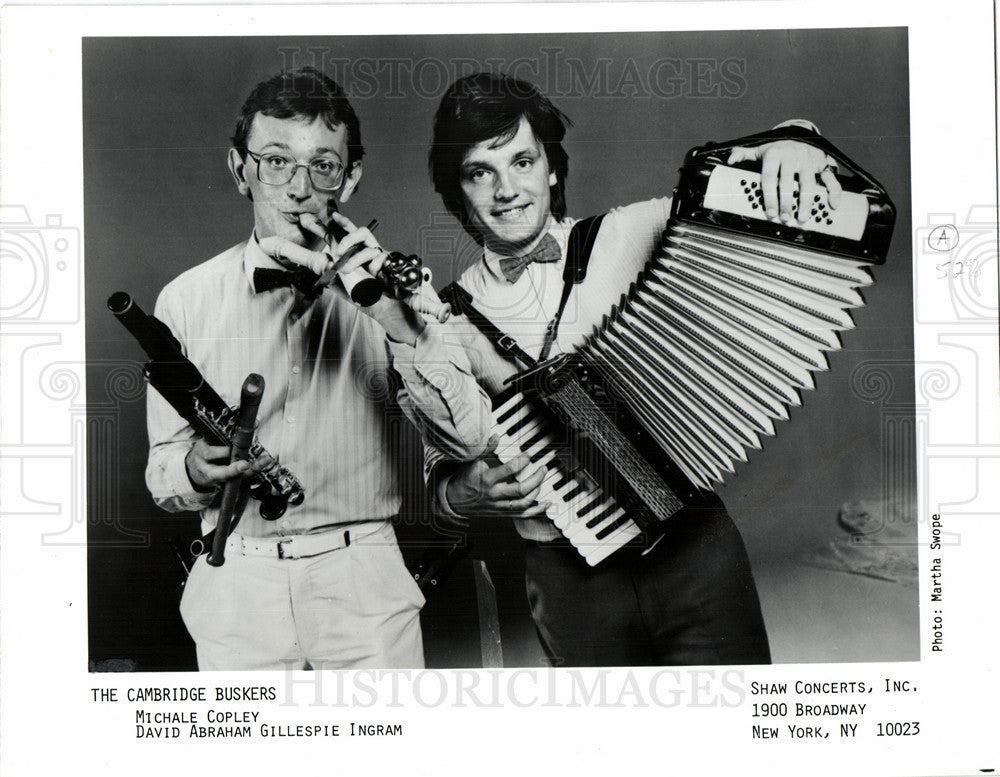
[(718, 339)]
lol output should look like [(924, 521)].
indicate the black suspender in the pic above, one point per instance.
[(461, 303), (578, 249)]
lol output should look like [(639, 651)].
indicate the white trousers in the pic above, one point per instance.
[(352, 608)]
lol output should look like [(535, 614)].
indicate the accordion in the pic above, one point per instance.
[(707, 349)]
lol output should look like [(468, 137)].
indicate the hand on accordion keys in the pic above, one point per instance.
[(789, 172), (485, 487)]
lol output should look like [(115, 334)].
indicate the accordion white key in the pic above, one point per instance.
[(710, 346)]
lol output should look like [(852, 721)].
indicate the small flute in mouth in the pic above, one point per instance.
[(363, 289), (398, 273), (335, 233)]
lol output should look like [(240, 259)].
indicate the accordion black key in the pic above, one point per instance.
[(710, 346)]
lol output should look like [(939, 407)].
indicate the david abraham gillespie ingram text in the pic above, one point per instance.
[(235, 727)]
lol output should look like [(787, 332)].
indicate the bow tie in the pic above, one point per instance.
[(546, 251), (301, 278)]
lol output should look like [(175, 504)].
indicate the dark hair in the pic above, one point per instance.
[(307, 93), (490, 105)]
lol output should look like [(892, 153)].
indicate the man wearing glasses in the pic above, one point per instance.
[(324, 585)]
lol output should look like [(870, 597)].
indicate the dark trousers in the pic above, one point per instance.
[(689, 601)]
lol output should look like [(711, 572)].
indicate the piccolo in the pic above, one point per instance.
[(180, 382), (401, 276)]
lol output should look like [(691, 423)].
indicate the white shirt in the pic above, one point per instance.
[(328, 411), (625, 244)]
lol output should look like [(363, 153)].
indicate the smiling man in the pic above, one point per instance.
[(324, 585), (506, 191), (498, 163)]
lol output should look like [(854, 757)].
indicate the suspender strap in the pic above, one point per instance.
[(578, 249), (461, 303)]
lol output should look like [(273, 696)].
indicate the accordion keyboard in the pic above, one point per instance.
[(585, 514)]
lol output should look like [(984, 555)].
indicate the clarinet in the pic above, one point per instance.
[(181, 383)]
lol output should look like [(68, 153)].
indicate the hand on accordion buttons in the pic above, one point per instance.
[(486, 487), (786, 167)]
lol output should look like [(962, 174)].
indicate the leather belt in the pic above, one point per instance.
[(299, 545)]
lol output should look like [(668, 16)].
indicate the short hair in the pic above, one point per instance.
[(490, 105), (306, 93)]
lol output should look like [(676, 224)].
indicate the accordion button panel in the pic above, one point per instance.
[(727, 191)]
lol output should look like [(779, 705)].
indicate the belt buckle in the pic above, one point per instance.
[(281, 548)]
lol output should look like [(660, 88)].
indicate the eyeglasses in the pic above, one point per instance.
[(278, 169)]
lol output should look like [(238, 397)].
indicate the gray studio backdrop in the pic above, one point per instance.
[(158, 113)]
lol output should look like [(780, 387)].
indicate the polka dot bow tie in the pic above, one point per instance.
[(546, 251)]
